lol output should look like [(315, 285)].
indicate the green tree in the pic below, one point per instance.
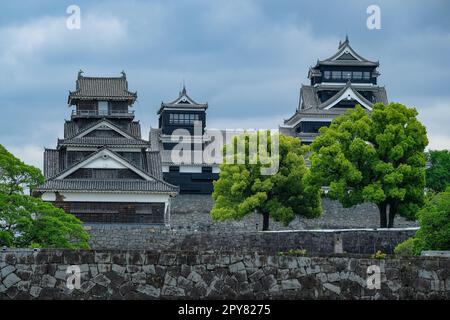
[(242, 188), (438, 175), (373, 157), (434, 232), (15, 176), (26, 221)]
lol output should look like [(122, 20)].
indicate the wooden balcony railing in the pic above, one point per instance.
[(99, 113)]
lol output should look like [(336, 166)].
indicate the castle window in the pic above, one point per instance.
[(174, 169), (366, 75), (327, 74), (357, 75), (183, 118), (346, 75), (336, 74)]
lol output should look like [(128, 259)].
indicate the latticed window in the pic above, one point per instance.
[(357, 75), (336, 74), (183, 118), (346, 75)]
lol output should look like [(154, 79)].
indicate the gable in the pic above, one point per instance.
[(346, 56), (184, 100), (109, 130), (347, 53), (105, 159), (348, 95), (104, 174), (104, 133)]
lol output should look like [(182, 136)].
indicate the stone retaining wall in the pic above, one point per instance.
[(190, 212), (313, 241), (27, 274)]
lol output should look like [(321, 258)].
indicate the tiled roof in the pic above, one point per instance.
[(85, 185), (183, 101), (357, 61), (309, 98), (134, 128), (71, 129), (155, 143), (100, 141), (335, 97), (310, 106), (152, 167), (109, 88), (153, 163), (51, 162)]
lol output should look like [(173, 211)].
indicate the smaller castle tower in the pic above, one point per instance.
[(182, 124), (336, 84)]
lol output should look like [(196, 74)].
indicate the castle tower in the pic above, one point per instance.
[(102, 170), (182, 122), (336, 84)]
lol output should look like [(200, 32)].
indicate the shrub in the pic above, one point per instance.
[(434, 232), (378, 255)]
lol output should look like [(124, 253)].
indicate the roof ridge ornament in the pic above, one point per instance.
[(80, 74), (124, 75)]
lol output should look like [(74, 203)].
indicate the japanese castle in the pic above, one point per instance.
[(336, 84), (102, 170), (182, 124)]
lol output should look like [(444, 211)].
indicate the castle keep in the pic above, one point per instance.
[(336, 84), (102, 170)]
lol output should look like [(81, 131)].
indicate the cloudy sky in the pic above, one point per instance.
[(246, 58)]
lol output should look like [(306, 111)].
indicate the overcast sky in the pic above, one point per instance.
[(247, 59)]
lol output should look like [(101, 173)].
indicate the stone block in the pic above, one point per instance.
[(332, 288), (10, 280), (7, 270), (290, 284), (149, 290)]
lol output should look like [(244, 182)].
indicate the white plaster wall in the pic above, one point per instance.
[(106, 197)]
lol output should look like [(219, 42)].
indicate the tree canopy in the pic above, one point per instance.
[(15, 175), (438, 175), (373, 157), (434, 232), (242, 188), (26, 221)]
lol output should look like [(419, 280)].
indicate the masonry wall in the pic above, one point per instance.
[(154, 238), (27, 274), (190, 212)]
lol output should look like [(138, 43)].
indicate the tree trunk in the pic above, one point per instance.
[(392, 212), (383, 218), (265, 221)]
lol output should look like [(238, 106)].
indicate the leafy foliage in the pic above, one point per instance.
[(29, 221), (26, 221), (241, 188), (16, 175), (373, 157), (378, 255), (438, 175), (434, 232)]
